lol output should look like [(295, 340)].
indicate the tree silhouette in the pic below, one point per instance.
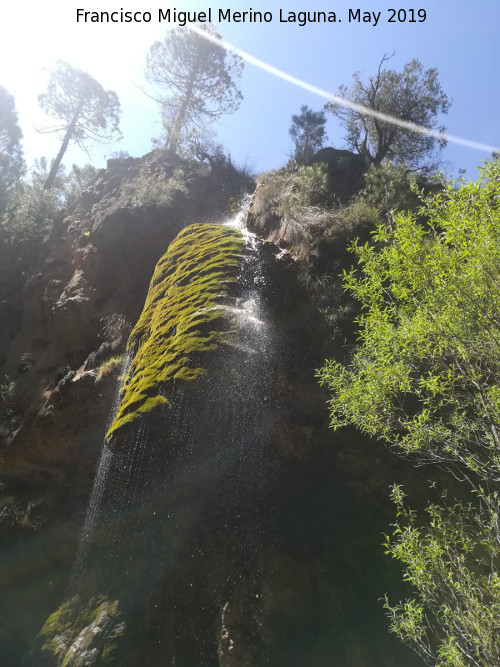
[(11, 154), (413, 95), (85, 111), (197, 81), (308, 133)]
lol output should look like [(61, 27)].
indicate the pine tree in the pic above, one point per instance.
[(197, 80), (85, 111)]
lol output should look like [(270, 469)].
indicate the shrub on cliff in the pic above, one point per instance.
[(31, 209), (288, 205)]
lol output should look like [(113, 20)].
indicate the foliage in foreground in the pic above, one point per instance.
[(425, 378), (453, 564)]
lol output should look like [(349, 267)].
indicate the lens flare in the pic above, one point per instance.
[(413, 127)]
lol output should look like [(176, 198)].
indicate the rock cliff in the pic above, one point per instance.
[(235, 528)]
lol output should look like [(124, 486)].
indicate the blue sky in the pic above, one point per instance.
[(458, 37)]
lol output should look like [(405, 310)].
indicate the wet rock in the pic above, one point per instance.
[(81, 635)]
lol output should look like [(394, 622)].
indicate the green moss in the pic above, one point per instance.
[(109, 654), (110, 366), (74, 619), (181, 317), (59, 623)]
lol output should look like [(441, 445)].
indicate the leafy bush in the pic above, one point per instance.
[(425, 378), (30, 214), (452, 563), (31, 210), (390, 187), (155, 189), (12, 164), (356, 220)]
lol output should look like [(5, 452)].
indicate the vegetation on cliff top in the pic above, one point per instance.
[(414, 96), (197, 82), (181, 317), (12, 164), (84, 111)]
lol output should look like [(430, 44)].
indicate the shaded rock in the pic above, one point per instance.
[(237, 529), (80, 635), (345, 172)]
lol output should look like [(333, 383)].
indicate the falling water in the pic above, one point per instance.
[(103, 468), (189, 484)]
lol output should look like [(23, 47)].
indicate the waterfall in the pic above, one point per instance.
[(176, 507), (99, 485)]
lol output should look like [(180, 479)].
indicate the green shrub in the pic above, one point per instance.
[(30, 214), (287, 205), (110, 366), (451, 560), (391, 187), (154, 189), (425, 378)]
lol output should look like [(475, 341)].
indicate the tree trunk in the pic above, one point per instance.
[(173, 139), (57, 162)]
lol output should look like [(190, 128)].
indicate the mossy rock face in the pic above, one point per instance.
[(80, 634), (182, 317)]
